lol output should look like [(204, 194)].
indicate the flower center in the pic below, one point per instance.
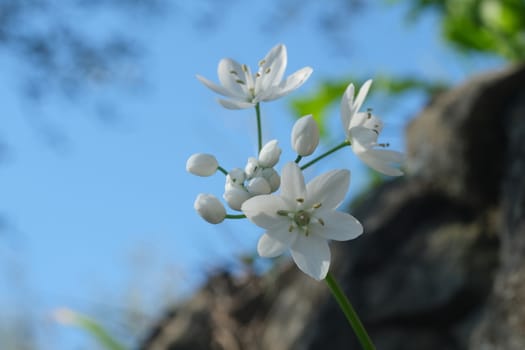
[(301, 218)]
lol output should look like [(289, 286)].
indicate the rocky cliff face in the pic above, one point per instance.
[(442, 262)]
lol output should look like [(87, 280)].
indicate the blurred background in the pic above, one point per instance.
[(100, 109)]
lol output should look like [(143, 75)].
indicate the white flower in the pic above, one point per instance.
[(202, 164), (269, 155), (305, 136), (362, 130), (210, 208), (303, 218), (245, 89)]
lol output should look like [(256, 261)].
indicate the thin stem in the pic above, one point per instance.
[(327, 153), (298, 159), (259, 129), (351, 315), (235, 216), (222, 170)]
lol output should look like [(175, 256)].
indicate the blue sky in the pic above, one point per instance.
[(111, 213)]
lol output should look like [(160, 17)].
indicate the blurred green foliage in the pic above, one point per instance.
[(479, 26)]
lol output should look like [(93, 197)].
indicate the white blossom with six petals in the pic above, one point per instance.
[(245, 89), (362, 130), (303, 218)]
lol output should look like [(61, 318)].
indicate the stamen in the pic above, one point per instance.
[(369, 112), (300, 200), (317, 205), (262, 62), (244, 68), (267, 70), (240, 82), (257, 75), (321, 221), (234, 72), (282, 212), (290, 229), (383, 144)]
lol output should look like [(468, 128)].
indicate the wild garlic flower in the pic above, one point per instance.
[(303, 218), (244, 89), (362, 130), (305, 136)]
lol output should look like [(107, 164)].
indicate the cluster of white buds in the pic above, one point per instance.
[(258, 177)]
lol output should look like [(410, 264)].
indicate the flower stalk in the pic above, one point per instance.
[(259, 129), (350, 313), (327, 153)]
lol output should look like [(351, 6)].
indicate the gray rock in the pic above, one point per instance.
[(442, 262)]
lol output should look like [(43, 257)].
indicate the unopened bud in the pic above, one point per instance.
[(202, 164), (269, 155), (210, 208), (305, 136)]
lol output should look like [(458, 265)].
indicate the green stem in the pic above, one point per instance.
[(351, 315), (259, 129), (222, 170), (327, 153), (298, 159), (235, 216)]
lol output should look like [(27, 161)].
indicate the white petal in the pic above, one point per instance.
[(370, 157), (262, 211), (292, 183), (386, 155), (274, 243), (361, 95), (291, 83), (229, 79), (346, 107), (329, 189), (365, 137), (338, 226), (235, 104), (272, 70), (312, 255), (217, 88)]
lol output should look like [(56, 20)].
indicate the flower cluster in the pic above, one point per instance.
[(302, 218)]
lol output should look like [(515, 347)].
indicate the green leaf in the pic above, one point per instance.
[(92, 327)]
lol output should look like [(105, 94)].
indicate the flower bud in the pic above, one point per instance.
[(258, 185), (210, 208), (251, 167), (269, 155), (235, 196), (236, 177), (272, 177), (305, 136), (202, 164)]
